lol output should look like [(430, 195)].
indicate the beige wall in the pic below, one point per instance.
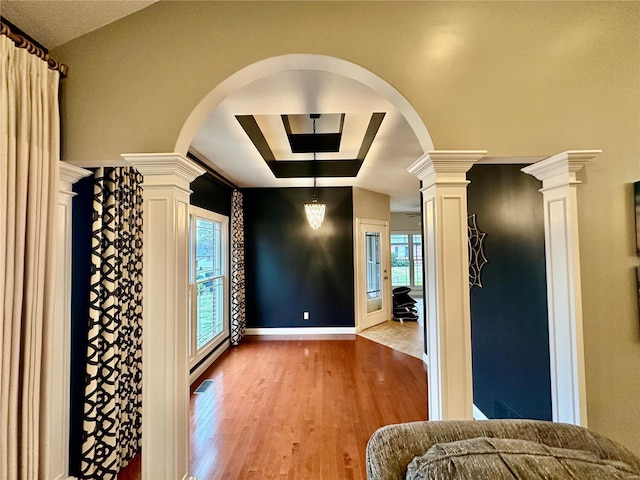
[(515, 78), (405, 222), (370, 205)]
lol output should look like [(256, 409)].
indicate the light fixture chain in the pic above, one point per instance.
[(315, 210), (315, 165)]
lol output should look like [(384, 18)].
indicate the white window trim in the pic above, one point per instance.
[(197, 355), (415, 289)]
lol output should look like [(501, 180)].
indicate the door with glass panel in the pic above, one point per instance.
[(208, 283), (372, 264)]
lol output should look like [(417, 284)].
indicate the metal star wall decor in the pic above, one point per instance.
[(477, 260)]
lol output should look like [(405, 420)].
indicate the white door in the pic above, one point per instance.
[(372, 268)]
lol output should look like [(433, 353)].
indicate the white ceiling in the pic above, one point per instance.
[(223, 143)]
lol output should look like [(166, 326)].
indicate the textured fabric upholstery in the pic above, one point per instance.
[(391, 448), (511, 459)]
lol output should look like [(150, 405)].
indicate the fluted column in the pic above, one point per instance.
[(446, 257), (165, 372), (564, 295)]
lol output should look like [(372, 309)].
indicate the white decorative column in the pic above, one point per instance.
[(564, 296), (57, 347), (165, 372), (446, 257)]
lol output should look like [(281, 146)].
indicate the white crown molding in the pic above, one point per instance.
[(164, 164), (421, 167), (564, 164), (70, 174), (456, 156), (446, 165)]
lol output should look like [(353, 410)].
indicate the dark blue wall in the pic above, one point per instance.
[(291, 268), (80, 280), (510, 337), (211, 194)]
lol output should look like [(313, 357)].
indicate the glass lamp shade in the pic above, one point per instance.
[(315, 213)]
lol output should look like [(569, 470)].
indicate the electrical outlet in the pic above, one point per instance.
[(305, 315)]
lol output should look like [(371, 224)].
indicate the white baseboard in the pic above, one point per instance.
[(477, 414), (193, 376), (302, 331)]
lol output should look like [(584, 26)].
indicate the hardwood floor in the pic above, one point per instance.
[(300, 409)]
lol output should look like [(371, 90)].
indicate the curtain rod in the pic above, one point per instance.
[(21, 41)]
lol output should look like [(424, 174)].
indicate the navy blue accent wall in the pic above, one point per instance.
[(510, 337), (80, 280), (291, 268), (211, 194)]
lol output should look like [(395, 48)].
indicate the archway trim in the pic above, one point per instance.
[(322, 63)]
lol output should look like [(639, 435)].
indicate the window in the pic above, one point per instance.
[(374, 274), (406, 260), (208, 282)]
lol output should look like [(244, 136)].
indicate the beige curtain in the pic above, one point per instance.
[(29, 155)]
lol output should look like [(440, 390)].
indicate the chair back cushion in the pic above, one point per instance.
[(512, 459)]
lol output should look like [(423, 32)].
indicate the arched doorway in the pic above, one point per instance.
[(300, 62)]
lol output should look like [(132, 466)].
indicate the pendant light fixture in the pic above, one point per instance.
[(314, 209)]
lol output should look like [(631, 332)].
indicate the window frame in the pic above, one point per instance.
[(196, 355), (412, 266)]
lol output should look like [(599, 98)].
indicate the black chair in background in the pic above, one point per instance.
[(404, 307)]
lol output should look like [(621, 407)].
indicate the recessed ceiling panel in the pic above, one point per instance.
[(314, 143), (314, 132), (226, 146), (303, 123)]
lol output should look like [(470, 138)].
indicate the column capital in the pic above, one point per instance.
[(445, 165), (164, 168), (560, 169), (70, 174)]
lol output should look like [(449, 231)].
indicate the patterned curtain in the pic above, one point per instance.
[(113, 393), (238, 316)]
